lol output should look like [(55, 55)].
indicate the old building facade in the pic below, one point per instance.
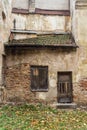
[(43, 51)]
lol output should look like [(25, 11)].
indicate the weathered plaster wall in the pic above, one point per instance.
[(56, 60), (43, 22), (5, 19), (79, 27), (5, 25), (46, 4)]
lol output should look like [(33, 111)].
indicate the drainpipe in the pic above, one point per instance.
[(1, 72)]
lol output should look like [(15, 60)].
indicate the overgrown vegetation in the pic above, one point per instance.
[(30, 117)]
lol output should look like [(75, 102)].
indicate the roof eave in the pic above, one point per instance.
[(38, 45)]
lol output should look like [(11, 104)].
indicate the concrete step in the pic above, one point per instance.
[(66, 105)]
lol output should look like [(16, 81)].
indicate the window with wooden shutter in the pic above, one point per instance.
[(39, 78)]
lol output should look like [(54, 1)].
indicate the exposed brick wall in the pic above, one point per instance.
[(80, 92), (17, 79), (83, 84)]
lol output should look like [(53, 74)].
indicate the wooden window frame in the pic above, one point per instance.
[(38, 89)]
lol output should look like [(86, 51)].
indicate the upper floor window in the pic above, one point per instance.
[(61, 7)]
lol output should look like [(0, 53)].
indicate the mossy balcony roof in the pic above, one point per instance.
[(46, 40)]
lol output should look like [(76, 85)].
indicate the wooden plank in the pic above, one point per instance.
[(52, 12)]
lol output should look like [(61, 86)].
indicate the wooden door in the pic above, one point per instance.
[(64, 87)]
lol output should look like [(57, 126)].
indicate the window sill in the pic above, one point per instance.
[(39, 90)]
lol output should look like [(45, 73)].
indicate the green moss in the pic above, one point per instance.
[(46, 40)]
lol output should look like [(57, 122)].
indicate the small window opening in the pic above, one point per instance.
[(39, 78)]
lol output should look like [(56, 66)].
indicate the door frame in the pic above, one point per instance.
[(69, 95)]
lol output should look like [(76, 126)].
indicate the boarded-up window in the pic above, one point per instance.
[(39, 78)]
